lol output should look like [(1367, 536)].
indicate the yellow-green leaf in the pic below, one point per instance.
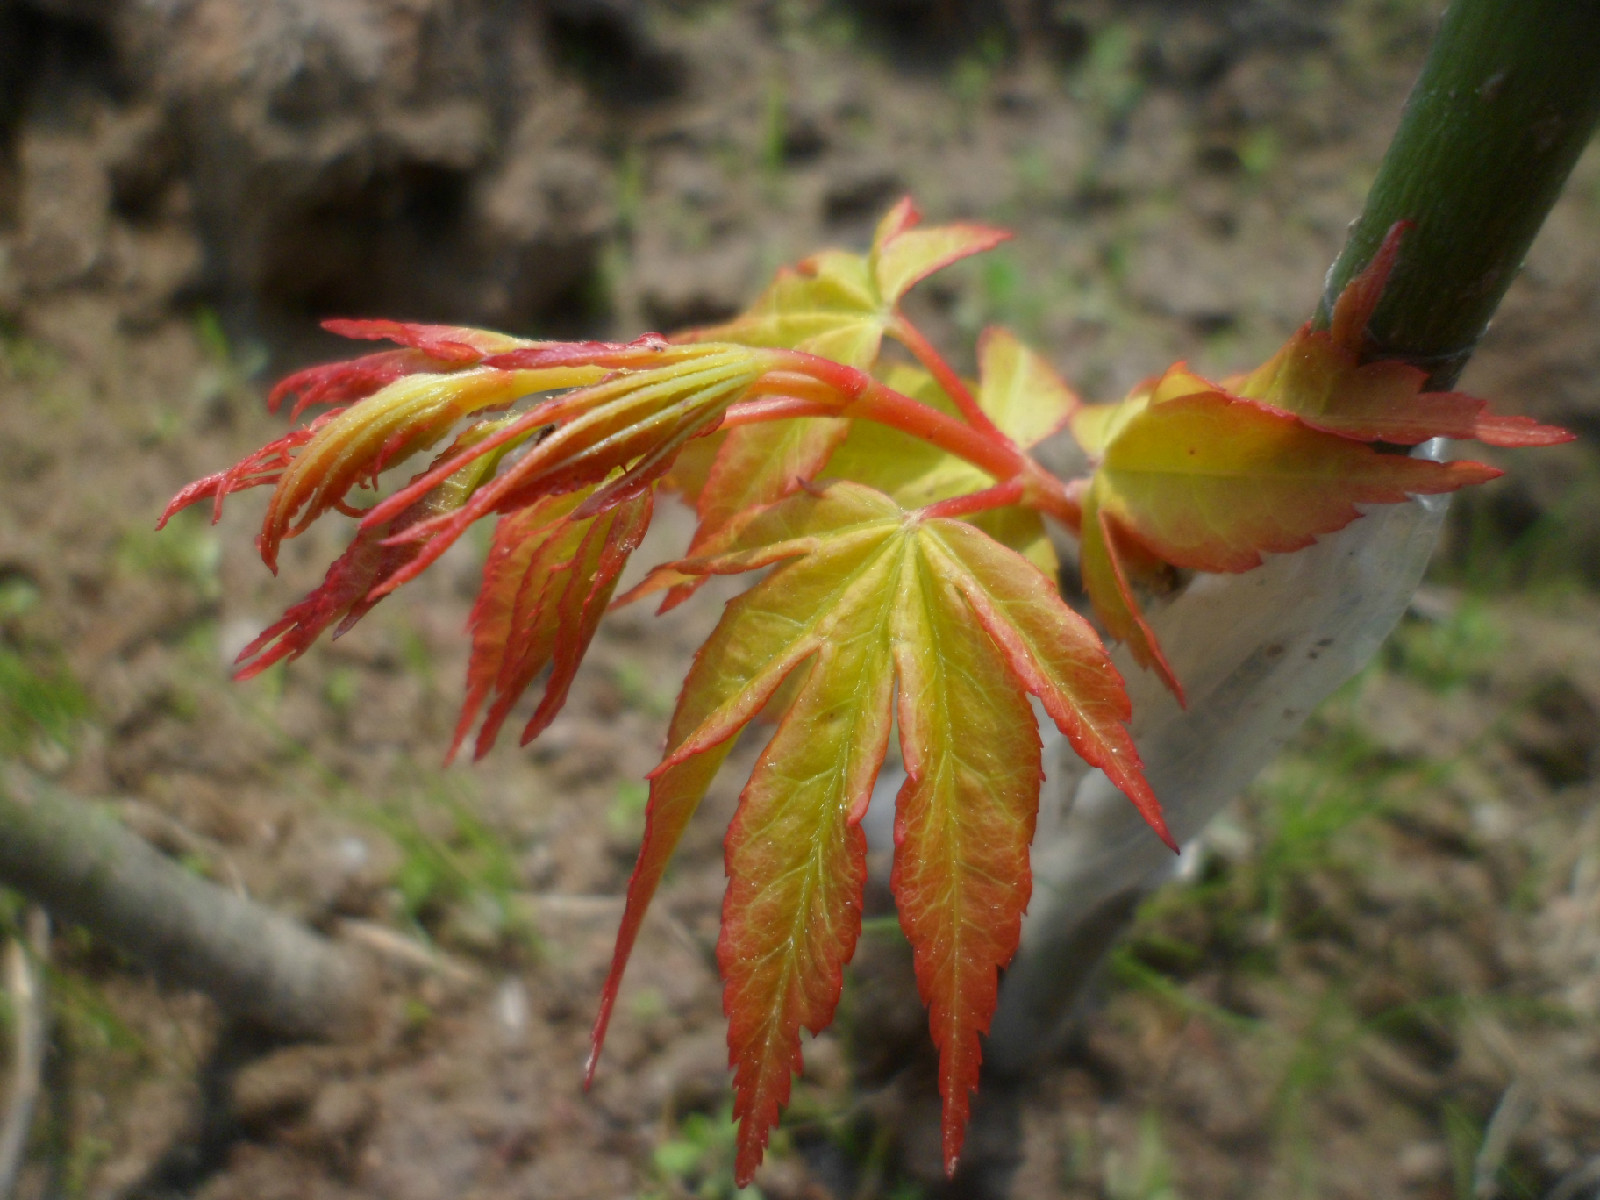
[(1199, 478), (917, 474), (1020, 392), (865, 593), (839, 305)]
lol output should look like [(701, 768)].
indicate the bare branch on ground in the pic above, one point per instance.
[(82, 865)]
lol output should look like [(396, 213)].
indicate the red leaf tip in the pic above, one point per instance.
[(1357, 302)]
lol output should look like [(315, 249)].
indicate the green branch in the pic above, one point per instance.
[(1507, 100)]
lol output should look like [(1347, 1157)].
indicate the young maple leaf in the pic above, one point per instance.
[(621, 405), (1319, 376), (346, 593), (1022, 399), (1191, 475), (839, 305), (881, 613), (546, 583), (428, 348), (1210, 476), (836, 305), (622, 433), (942, 620), (573, 476), (354, 445)]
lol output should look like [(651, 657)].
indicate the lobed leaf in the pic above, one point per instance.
[(1210, 482), (1320, 376), (864, 594), (839, 305), (1210, 477), (1202, 479), (1329, 389), (547, 580), (917, 474)]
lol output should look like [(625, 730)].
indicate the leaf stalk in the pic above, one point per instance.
[(943, 373)]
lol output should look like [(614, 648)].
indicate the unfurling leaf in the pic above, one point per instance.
[(573, 475), (429, 348), (347, 591), (546, 583), (876, 606), (383, 430)]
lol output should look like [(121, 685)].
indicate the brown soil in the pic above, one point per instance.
[(1382, 979)]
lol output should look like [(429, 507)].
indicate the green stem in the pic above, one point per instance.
[(1505, 104)]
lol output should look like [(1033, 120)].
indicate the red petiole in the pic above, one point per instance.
[(1002, 495), (818, 387), (909, 336)]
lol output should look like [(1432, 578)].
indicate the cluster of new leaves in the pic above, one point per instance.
[(911, 582)]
